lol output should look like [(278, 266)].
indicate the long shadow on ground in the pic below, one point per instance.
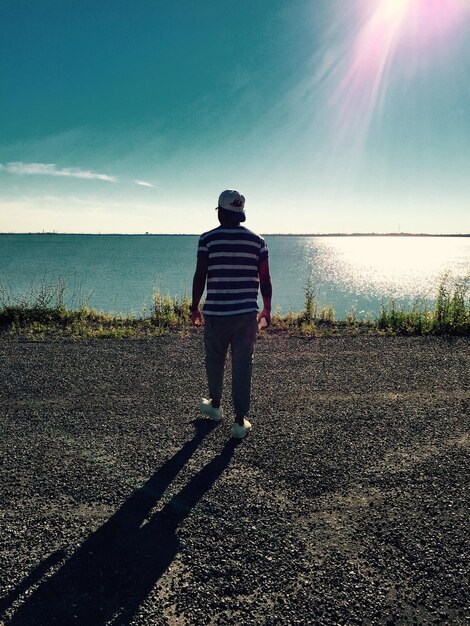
[(115, 569)]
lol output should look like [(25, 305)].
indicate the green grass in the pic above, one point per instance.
[(450, 314), (170, 312), (42, 313)]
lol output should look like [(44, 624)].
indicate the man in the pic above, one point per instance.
[(234, 260)]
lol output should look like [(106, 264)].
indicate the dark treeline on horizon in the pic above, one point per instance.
[(368, 234), (263, 234), (148, 234)]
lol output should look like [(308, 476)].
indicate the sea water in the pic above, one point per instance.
[(119, 273)]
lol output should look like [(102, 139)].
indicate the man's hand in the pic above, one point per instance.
[(266, 314), (199, 283), (266, 291), (196, 318)]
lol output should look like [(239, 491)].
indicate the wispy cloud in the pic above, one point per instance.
[(144, 183), (50, 169)]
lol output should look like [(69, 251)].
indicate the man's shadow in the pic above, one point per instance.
[(115, 569)]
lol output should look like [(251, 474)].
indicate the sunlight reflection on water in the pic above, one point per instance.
[(363, 272), (393, 267)]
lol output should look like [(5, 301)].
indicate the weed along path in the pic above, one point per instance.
[(345, 505)]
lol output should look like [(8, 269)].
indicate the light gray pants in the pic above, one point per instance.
[(240, 332)]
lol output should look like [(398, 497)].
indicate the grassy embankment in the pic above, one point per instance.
[(42, 313)]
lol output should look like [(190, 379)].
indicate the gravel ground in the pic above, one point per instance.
[(347, 504)]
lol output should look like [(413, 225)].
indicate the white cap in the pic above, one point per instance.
[(231, 200)]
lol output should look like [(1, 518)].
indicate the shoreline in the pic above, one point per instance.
[(148, 234)]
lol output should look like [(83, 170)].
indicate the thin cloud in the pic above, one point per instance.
[(50, 169), (144, 183)]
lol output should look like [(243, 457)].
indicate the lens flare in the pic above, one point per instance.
[(392, 9), (399, 36)]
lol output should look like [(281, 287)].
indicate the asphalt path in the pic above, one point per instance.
[(347, 504)]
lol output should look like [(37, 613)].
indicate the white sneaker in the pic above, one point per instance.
[(207, 408), (239, 431)]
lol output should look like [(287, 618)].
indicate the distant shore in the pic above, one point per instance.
[(264, 234)]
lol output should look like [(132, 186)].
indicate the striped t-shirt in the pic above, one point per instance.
[(233, 255)]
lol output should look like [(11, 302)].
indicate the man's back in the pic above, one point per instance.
[(233, 255)]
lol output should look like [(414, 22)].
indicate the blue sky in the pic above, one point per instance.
[(120, 116)]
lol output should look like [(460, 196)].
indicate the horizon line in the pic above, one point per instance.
[(331, 234)]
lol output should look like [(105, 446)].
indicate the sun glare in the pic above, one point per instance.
[(392, 39), (392, 10)]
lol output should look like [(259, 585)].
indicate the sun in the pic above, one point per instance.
[(424, 20), (393, 10)]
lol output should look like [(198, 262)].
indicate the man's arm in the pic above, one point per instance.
[(266, 290), (199, 283)]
